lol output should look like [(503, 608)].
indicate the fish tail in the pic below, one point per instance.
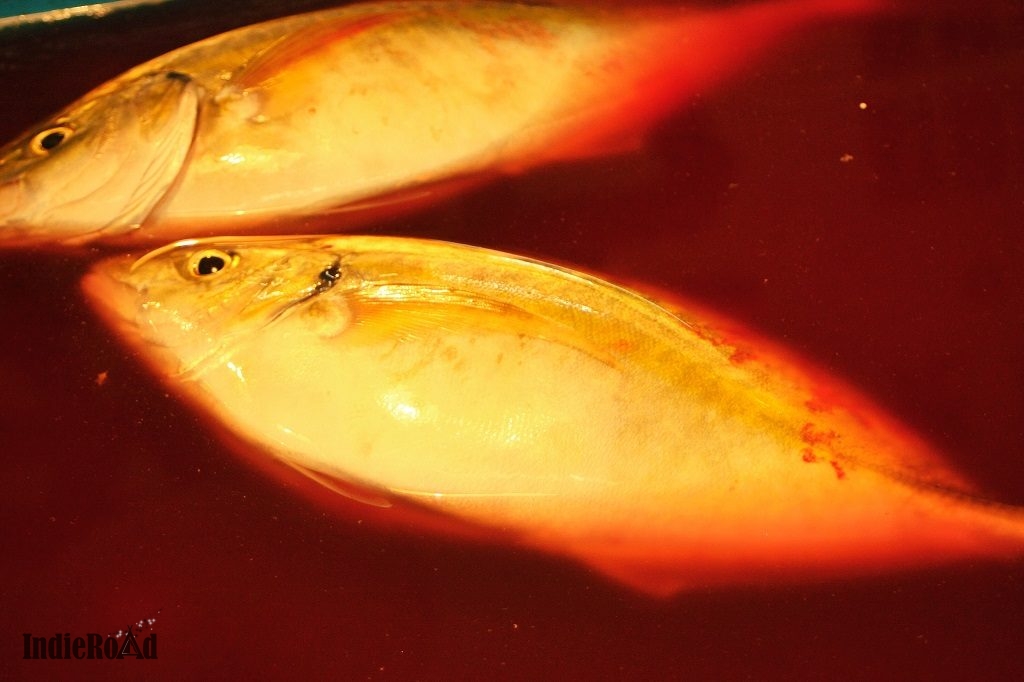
[(691, 52), (980, 526), (747, 28), (658, 59), (1001, 520)]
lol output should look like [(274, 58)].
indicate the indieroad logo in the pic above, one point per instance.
[(93, 645)]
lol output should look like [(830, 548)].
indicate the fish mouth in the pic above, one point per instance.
[(109, 293), (116, 302)]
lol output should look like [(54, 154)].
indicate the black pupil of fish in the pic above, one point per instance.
[(208, 265), (51, 140)]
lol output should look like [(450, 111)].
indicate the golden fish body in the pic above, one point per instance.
[(371, 104), (546, 405)]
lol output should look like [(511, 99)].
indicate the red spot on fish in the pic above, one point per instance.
[(830, 400), (809, 456), (840, 474), (818, 404), (739, 357), (706, 334), (810, 435), (523, 31), (622, 346)]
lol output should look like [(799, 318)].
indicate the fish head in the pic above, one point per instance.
[(196, 299), (100, 166)]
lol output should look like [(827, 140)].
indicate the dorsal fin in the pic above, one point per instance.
[(300, 44)]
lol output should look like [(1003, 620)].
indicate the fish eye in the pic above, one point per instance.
[(46, 141), (210, 262)]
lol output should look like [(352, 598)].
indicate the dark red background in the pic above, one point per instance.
[(899, 269)]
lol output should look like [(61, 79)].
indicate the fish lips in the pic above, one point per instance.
[(117, 302), (112, 296)]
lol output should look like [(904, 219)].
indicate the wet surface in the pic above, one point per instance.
[(856, 196)]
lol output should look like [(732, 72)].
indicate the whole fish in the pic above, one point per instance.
[(370, 106), (547, 406)]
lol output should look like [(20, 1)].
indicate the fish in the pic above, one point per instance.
[(366, 111), (659, 444)]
